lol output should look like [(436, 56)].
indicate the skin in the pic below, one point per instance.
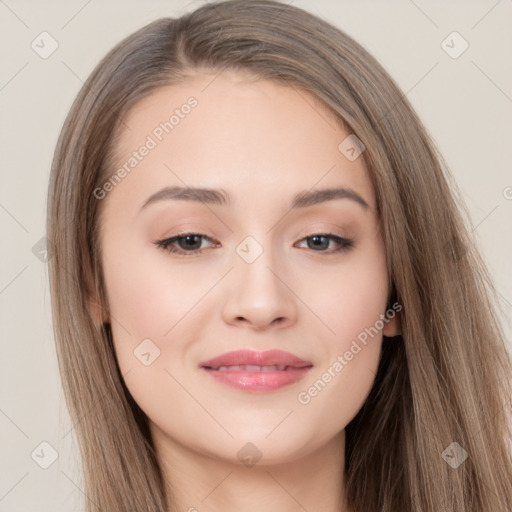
[(262, 142)]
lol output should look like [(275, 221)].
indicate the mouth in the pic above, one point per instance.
[(257, 371), (252, 368)]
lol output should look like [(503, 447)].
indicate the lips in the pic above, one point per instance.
[(252, 368), (250, 360), (249, 370)]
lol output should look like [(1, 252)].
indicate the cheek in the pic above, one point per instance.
[(158, 311), (350, 303), (142, 305), (151, 309), (351, 297), (147, 297)]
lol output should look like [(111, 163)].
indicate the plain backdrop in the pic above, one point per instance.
[(464, 102)]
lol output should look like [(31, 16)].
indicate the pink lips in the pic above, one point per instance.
[(257, 371)]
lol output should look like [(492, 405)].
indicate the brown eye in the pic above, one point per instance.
[(187, 244)]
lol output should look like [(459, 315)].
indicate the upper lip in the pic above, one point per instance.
[(254, 358)]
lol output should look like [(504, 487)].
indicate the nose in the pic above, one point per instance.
[(259, 295)]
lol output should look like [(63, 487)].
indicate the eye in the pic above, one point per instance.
[(319, 241), (189, 244)]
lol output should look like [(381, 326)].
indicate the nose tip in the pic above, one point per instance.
[(263, 323), (258, 297)]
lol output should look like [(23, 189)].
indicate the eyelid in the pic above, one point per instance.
[(344, 244), (321, 227), (166, 243)]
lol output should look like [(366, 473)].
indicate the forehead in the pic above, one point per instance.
[(237, 132)]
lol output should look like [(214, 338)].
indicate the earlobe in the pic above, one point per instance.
[(393, 326), (98, 314)]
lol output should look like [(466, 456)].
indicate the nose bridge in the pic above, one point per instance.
[(258, 293), (257, 263)]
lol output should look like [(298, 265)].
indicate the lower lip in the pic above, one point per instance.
[(259, 381)]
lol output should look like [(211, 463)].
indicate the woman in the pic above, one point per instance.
[(264, 293)]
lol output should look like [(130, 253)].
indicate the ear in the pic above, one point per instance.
[(393, 326), (99, 314)]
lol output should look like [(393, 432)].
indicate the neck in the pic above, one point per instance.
[(197, 482)]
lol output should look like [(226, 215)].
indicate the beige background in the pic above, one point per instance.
[(465, 103)]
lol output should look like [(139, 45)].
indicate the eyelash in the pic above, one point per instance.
[(345, 243)]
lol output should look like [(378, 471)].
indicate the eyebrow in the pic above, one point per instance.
[(221, 197)]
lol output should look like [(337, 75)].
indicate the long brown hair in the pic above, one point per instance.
[(446, 379)]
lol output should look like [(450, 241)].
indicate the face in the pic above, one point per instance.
[(254, 266)]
